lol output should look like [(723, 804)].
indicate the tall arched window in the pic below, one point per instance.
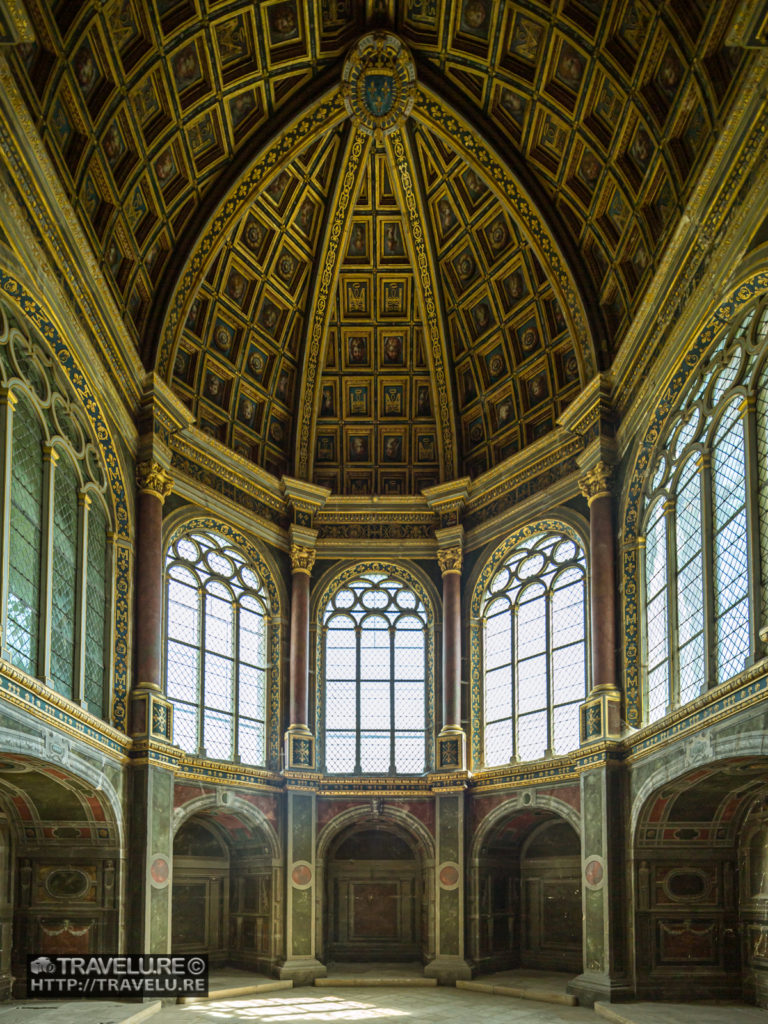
[(704, 524), (216, 649), (534, 649), (375, 665), (59, 611)]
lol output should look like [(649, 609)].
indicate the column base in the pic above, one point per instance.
[(600, 716), (591, 988), (151, 714), (301, 970), (299, 748), (451, 749), (448, 970)]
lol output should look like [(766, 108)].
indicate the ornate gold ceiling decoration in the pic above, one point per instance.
[(378, 82), (545, 155)]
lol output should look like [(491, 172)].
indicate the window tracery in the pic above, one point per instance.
[(705, 524)]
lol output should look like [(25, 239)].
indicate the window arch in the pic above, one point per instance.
[(57, 594), (217, 648), (704, 522), (377, 661), (534, 618)]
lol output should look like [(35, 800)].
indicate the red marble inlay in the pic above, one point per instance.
[(301, 875), (159, 870), (449, 875)]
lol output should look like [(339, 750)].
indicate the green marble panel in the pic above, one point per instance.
[(159, 921), (450, 922), (449, 836), (301, 827), (594, 931), (594, 812), (301, 922), (162, 805)]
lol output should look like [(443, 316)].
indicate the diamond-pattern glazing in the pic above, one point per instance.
[(64, 577)]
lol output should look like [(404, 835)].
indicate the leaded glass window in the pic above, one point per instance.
[(375, 665), (534, 650), (705, 501), (25, 548), (96, 608), (217, 627), (64, 577)]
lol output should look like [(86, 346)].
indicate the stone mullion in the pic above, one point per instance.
[(201, 674), (7, 403), (673, 686), (236, 682), (642, 626), (550, 750), (358, 697), (81, 600), (749, 417), (392, 768), (43, 653), (708, 564)]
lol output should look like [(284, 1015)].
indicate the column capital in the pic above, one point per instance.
[(303, 548), (447, 500), (596, 482), (151, 478), (450, 560)]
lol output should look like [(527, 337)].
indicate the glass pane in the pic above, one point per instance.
[(218, 735), (252, 683), (374, 704), (566, 728), (374, 752), (253, 638), (25, 540), (498, 694), (532, 735), (217, 682), (64, 577), (569, 673), (183, 611), (219, 620), (250, 741), (340, 752), (531, 625), (340, 704), (532, 684), (96, 612), (181, 669), (409, 655), (185, 724), (409, 706), (374, 649), (498, 742), (409, 752), (498, 640)]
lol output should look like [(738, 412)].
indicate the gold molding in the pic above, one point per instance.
[(302, 558)]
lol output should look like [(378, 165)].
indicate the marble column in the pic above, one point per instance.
[(299, 741), (150, 833), (451, 743), (601, 712)]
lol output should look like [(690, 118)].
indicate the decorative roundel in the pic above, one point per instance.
[(379, 81)]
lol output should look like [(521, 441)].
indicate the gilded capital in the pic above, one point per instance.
[(302, 558), (153, 479), (449, 560), (595, 483)]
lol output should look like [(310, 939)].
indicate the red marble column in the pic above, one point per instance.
[(452, 644), (154, 485), (603, 575), (299, 666)]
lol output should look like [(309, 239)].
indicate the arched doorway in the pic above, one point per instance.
[(226, 877), (701, 889), (375, 885), (60, 851), (527, 894)]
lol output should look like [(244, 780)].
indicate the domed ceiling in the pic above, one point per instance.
[(378, 245)]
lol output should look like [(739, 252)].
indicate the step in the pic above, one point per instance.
[(238, 990), (361, 981), (541, 995)]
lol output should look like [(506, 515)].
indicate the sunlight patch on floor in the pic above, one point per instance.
[(307, 1008)]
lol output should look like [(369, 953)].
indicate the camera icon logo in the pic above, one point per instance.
[(43, 965)]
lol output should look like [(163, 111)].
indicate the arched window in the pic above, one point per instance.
[(376, 676), (216, 649), (534, 649), (58, 599), (702, 530)]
